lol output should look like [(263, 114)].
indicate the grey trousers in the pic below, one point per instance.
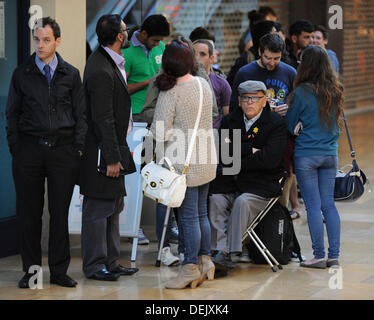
[(246, 207), (100, 234), (220, 206)]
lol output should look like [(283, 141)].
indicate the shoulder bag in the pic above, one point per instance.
[(349, 186), (165, 185)]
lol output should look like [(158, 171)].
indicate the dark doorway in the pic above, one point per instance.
[(14, 48)]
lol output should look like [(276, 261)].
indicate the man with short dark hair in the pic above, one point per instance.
[(321, 38), (144, 58), (108, 104), (205, 55), (277, 76), (300, 36), (257, 32), (46, 128), (201, 33)]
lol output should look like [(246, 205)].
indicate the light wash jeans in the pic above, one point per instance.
[(316, 179), (193, 217)]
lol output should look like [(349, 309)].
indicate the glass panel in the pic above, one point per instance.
[(8, 62), (225, 19)]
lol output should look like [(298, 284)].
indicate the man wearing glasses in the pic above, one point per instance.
[(108, 115), (263, 144), (278, 78)]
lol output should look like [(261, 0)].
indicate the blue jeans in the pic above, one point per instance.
[(316, 179), (193, 217)]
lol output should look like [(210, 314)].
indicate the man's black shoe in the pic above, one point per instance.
[(223, 261), (24, 282), (63, 280), (123, 271), (220, 273), (105, 275)]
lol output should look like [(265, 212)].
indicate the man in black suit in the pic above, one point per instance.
[(108, 116), (46, 128), (263, 145)]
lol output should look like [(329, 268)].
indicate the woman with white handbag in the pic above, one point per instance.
[(182, 128)]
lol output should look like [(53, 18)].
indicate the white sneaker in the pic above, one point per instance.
[(142, 239), (167, 258), (244, 257), (235, 257), (181, 257)]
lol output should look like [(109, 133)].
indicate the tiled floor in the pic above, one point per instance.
[(354, 280)]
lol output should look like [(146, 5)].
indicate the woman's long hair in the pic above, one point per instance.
[(315, 70), (177, 60)]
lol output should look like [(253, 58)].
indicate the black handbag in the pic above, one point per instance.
[(127, 161), (349, 186)]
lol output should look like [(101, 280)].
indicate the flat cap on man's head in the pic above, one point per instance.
[(251, 86)]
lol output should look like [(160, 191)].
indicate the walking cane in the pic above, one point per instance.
[(166, 222)]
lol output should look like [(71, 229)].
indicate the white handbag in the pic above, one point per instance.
[(165, 185)]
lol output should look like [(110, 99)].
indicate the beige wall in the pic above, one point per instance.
[(71, 16)]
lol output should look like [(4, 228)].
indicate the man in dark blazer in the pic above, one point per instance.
[(263, 144), (108, 117)]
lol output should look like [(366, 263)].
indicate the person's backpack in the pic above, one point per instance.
[(277, 233)]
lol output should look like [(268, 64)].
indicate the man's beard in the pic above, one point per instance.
[(265, 66), (125, 44)]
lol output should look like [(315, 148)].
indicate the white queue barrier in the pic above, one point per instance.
[(129, 219)]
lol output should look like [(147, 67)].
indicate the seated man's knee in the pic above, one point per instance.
[(241, 200)]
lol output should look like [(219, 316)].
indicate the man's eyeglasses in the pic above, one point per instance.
[(252, 98), (125, 30)]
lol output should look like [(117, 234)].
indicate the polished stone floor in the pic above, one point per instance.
[(354, 280)]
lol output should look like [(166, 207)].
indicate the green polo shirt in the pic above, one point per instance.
[(141, 68)]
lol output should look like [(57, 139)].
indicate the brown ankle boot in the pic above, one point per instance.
[(189, 274), (207, 268)]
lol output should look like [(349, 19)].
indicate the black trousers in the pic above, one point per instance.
[(100, 234), (32, 164)]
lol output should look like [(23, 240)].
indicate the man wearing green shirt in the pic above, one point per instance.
[(144, 58)]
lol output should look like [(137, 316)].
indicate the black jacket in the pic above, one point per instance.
[(260, 171), (108, 114), (292, 60), (245, 58), (36, 109)]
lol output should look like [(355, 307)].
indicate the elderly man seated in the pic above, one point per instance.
[(263, 144)]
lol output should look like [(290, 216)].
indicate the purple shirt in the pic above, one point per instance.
[(119, 61), (136, 43), (222, 91)]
